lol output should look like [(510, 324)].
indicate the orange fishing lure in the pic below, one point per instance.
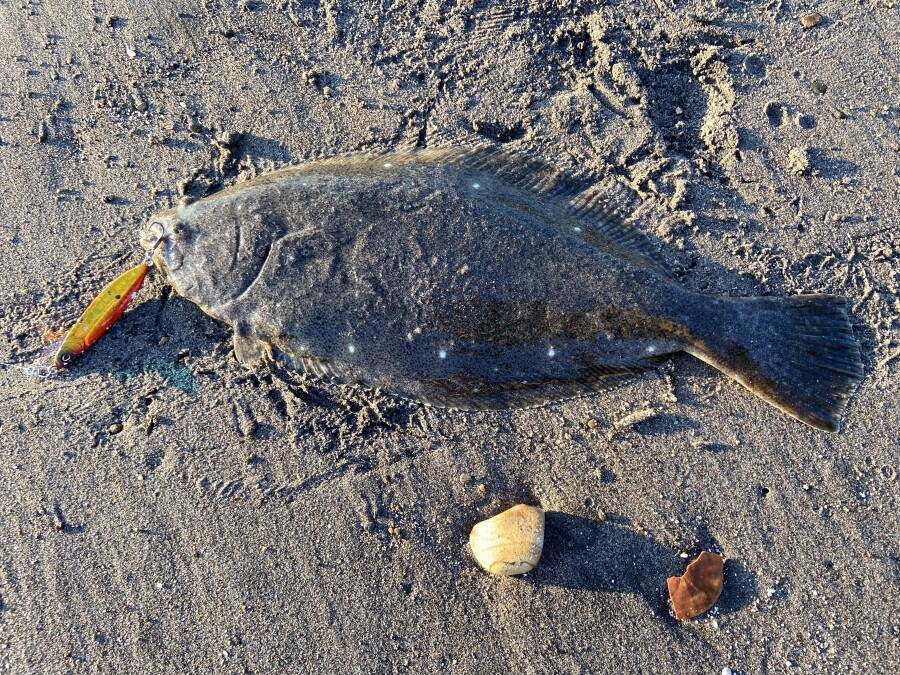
[(101, 314), (103, 311), (96, 319)]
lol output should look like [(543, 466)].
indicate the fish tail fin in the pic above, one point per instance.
[(797, 353)]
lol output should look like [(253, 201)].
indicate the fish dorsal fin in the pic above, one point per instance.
[(599, 209), (522, 171), (603, 207)]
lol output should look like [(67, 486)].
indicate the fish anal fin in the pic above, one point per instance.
[(506, 395)]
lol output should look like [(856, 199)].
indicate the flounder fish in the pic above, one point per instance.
[(475, 278)]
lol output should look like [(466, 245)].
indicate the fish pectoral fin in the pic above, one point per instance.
[(248, 347)]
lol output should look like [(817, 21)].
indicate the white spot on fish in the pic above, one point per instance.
[(351, 349), (84, 328), (477, 186), (442, 354), (551, 352), (651, 349), (576, 229)]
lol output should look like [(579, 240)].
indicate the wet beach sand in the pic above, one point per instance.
[(165, 510)]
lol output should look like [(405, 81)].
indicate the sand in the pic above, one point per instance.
[(165, 510)]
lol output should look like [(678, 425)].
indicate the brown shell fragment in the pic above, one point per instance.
[(698, 589)]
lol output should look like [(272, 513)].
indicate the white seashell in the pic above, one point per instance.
[(511, 542)]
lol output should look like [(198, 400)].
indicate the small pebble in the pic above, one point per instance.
[(228, 139), (131, 53), (115, 428), (810, 20), (727, 671), (818, 86), (591, 424)]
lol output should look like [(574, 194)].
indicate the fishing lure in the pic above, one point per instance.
[(102, 313)]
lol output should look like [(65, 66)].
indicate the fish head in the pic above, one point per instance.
[(164, 236)]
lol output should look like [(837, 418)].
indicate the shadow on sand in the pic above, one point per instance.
[(589, 555)]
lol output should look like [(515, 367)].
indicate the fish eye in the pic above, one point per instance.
[(66, 358)]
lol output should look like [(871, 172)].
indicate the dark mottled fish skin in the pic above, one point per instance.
[(476, 279)]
